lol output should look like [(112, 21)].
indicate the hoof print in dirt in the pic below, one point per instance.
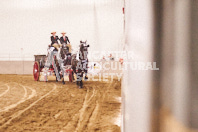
[(47, 107)]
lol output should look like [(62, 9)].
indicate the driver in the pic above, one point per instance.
[(64, 39), (53, 47), (54, 40)]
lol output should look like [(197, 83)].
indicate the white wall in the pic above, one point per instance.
[(137, 84), (26, 25)]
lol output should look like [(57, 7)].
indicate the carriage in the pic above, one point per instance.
[(41, 72), (60, 64)]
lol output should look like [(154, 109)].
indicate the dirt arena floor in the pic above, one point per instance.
[(27, 105)]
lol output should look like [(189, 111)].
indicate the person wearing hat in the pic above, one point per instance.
[(54, 46), (54, 38), (64, 39)]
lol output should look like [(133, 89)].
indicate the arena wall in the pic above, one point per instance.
[(16, 67)]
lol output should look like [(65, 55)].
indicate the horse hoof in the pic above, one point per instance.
[(63, 82), (80, 87)]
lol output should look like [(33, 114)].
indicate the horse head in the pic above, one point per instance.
[(83, 50)]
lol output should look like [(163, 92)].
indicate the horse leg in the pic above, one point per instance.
[(78, 77), (86, 77), (73, 72), (56, 78), (86, 71), (63, 82), (81, 82), (56, 65), (77, 83), (73, 76)]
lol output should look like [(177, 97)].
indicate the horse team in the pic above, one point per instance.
[(79, 65)]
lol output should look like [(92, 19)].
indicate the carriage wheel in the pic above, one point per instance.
[(70, 76), (36, 71)]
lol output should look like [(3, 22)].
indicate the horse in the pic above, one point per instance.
[(82, 65), (59, 65), (53, 61), (60, 59), (67, 60), (79, 67)]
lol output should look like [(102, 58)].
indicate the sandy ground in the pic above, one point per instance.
[(26, 105)]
